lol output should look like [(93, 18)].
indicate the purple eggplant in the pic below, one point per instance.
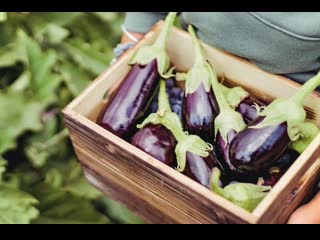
[(199, 113), (247, 110), (223, 147), (273, 176), (227, 124), (275, 173), (158, 142), (199, 105), (130, 101), (128, 104), (260, 145), (194, 156), (200, 169), (242, 102), (287, 159), (231, 172)]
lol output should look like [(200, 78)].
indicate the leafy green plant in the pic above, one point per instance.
[(47, 59)]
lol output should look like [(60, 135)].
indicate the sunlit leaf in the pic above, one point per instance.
[(16, 207), (20, 115), (42, 80)]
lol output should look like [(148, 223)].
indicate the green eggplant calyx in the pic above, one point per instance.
[(164, 115), (234, 95), (289, 110), (181, 77), (146, 54), (245, 195), (193, 144), (151, 119), (308, 132), (199, 73), (186, 142), (228, 119)]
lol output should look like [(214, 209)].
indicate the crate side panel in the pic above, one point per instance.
[(177, 201), (284, 205)]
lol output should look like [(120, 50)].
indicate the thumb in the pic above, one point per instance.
[(307, 214)]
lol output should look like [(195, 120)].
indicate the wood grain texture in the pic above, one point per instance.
[(291, 190), (132, 177), (158, 193), (300, 194)]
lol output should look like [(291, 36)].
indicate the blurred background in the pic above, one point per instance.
[(46, 60)]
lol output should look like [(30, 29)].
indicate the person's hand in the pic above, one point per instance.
[(307, 214)]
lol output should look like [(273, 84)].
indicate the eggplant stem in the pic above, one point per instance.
[(176, 131), (214, 180), (162, 39), (199, 73), (222, 101), (163, 100), (260, 182), (164, 108), (307, 89), (197, 45), (157, 51)]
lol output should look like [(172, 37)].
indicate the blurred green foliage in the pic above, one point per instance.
[(47, 59)]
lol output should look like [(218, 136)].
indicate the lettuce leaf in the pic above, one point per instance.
[(46, 59), (20, 115), (43, 81), (59, 207), (3, 16), (16, 207)]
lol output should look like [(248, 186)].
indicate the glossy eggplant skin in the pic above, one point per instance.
[(200, 111), (231, 172), (158, 142), (223, 149), (274, 174), (126, 107), (255, 150), (248, 112), (200, 169)]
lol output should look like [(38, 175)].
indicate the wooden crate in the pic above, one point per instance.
[(158, 193)]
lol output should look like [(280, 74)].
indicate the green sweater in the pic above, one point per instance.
[(281, 43)]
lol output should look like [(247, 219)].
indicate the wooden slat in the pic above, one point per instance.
[(119, 194), (291, 187), (179, 198), (301, 194)]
